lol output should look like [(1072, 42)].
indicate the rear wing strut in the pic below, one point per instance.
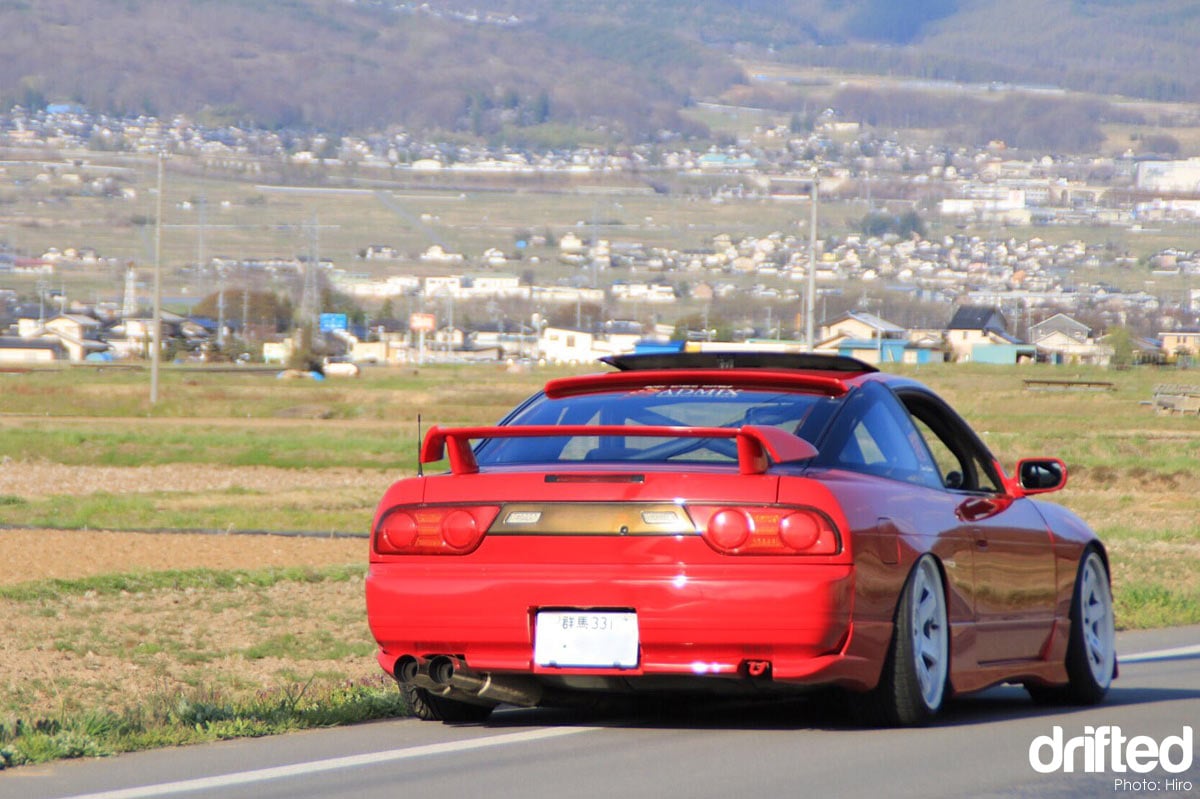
[(757, 446)]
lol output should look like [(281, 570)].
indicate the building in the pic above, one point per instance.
[(980, 333), (856, 324), (1181, 343), (1061, 339), (14, 349)]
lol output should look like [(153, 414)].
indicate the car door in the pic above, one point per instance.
[(1013, 566)]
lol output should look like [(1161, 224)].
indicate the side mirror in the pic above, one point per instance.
[(1041, 475)]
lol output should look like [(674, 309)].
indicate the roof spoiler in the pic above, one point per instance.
[(737, 359), (827, 384), (757, 446)]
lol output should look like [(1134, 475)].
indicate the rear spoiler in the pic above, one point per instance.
[(826, 384), (755, 444)]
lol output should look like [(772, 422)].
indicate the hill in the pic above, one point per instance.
[(546, 69)]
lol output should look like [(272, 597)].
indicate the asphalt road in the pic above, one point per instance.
[(981, 748)]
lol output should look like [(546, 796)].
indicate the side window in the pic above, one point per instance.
[(963, 463), (874, 434), (950, 468)]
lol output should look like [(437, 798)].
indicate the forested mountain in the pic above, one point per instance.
[(621, 68)]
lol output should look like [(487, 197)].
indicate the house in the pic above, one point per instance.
[(570, 244), (874, 340), (564, 345), (1183, 343), (449, 337), (75, 333), (1062, 324), (438, 254), (980, 333), (443, 285), (385, 251), (14, 349), (1061, 339), (643, 292), (511, 339), (859, 325)]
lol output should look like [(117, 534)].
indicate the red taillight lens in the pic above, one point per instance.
[(460, 529), (767, 530), (397, 531), (433, 530), (729, 528), (800, 530)]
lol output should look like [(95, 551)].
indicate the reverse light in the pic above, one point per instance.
[(767, 530), (433, 529)]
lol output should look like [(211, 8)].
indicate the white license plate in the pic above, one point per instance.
[(586, 638)]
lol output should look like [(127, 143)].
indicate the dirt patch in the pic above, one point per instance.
[(27, 555)]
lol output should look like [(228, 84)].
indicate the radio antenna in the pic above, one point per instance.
[(420, 468)]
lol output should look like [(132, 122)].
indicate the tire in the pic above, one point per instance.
[(912, 688), (1091, 650), (429, 707)]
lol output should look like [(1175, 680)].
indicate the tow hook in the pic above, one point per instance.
[(757, 668)]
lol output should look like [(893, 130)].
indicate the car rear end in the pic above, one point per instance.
[(663, 564)]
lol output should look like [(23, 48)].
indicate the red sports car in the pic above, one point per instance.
[(733, 523)]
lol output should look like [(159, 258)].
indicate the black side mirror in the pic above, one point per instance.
[(1041, 475)]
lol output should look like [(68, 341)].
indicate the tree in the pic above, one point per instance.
[(541, 108), (1121, 341), (261, 307), (880, 223), (1161, 144)]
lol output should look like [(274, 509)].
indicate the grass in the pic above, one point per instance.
[(178, 657), (196, 716), (309, 510), (187, 580)]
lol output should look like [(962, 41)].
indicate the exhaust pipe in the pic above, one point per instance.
[(506, 690), (448, 676), (441, 669), (413, 670), (407, 668)]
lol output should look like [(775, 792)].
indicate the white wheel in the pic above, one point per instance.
[(930, 633), (1096, 643), (1095, 619), (912, 687)]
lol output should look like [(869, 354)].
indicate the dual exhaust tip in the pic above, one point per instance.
[(439, 669), (449, 677)]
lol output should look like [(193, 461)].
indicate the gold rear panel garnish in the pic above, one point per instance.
[(593, 518)]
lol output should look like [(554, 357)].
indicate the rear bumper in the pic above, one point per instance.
[(705, 620)]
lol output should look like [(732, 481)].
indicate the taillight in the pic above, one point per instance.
[(433, 530), (750, 530)]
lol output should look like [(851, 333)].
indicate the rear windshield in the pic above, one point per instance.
[(804, 415)]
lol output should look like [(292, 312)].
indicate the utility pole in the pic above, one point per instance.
[(310, 301), (156, 323), (812, 264)]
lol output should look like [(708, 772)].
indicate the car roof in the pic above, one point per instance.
[(739, 359)]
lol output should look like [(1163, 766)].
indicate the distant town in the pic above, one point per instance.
[(990, 298)]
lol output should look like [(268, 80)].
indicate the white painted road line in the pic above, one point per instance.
[(1160, 654), (332, 764)]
